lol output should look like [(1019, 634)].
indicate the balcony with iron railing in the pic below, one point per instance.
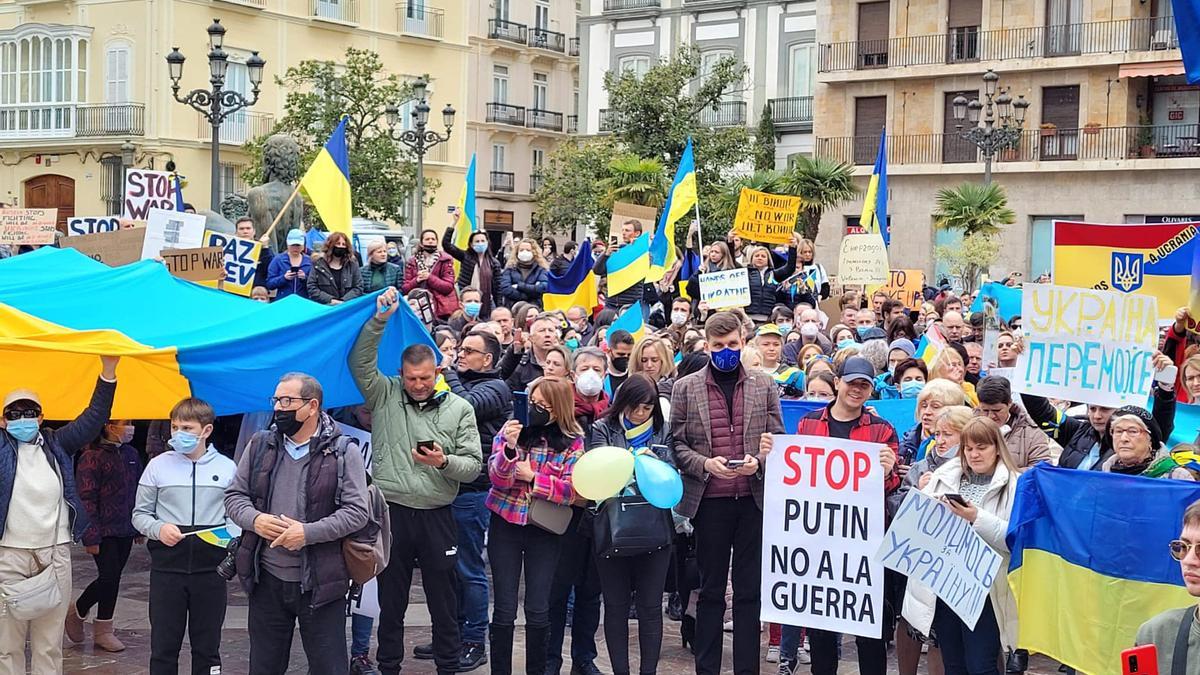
[(1034, 145), (499, 29), (622, 5), (547, 39), (572, 124), (503, 113), (791, 110), (417, 18), (608, 120), (345, 11), (969, 44), (723, 114), (536, 181), (544, 119), (503, 181), (238, 128), (71, 120), (573, 47)]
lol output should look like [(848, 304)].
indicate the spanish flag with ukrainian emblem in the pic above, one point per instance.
[(575, 287), (1090, 561), (629, 265), (327, 182), (680, 200), (1151, 259)]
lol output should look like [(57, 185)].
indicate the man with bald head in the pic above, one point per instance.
[(808, 323), (953, 326)]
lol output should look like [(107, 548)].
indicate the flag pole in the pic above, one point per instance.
[(279, 216), (699, 235)]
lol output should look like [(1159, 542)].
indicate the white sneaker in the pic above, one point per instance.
[(803, 657), (773, 654)]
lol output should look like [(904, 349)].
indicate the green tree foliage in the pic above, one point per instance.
[(726, 204), (764, 142), (573, 191), (973, 256), (822, 184), (634, 180), (973, 208)]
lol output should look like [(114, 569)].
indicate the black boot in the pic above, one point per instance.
[(687, 631), (1018, 661), (501, 638), (536, 640)]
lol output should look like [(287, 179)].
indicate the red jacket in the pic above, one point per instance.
[(870, 429), (440, 283)]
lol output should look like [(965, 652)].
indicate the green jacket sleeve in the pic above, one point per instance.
[(465, 460), (364, 363)]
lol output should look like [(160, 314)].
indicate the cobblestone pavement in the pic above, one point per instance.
[(133, 628)]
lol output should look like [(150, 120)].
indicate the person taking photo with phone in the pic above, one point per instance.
[(1175, 633)]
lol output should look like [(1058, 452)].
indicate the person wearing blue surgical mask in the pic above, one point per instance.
[(468, 317), (477, 267)]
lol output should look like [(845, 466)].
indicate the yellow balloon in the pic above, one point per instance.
[(602, 472)]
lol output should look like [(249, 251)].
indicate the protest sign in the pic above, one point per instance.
[(767, 218), (644, 216), (28, 226), (725, 289), (822, 525), (863, 260), (196, 264), (111, 248), (92, 225), (145, 190), (241, 260), (907, 286), (931, 546), (1087, 345), (172, 229)]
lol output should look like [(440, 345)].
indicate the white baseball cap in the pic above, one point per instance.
[(21, 395)]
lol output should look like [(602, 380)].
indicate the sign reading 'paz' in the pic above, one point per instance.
[(767, 218)]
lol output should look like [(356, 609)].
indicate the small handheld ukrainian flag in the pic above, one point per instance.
[(631, 320), (217, 536), (468, 221), (575, 287), (327, 182), (680, 200)]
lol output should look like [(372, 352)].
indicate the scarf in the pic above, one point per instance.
[(482, 279), (1133, 469), (639, 435)]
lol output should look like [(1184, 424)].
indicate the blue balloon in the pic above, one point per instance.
[(658, 481)]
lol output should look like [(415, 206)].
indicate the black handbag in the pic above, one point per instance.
[(629, 526)]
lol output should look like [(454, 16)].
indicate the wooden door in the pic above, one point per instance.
[(1060, 107), (51, 191)]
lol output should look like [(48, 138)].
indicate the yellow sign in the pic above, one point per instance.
[(863, 260), (905, 286), (766, 218)]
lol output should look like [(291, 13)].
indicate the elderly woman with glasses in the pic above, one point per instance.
[(1138, 449)]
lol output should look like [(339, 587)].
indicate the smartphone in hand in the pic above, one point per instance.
[(425, 447), (956, 498), (1141, 660), (735, 463)]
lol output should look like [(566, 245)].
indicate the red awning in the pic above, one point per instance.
[(1153, 69)]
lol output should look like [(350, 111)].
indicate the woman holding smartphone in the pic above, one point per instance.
[(635, 421), (530, 469), (980, 488)]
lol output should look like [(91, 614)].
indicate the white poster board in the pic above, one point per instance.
[(145, 190), (92, 225), (171, 229), (822, 527), (863, 260), (725, 289)]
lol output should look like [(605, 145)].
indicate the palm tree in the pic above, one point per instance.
[(822, 184), (726, 203), (973, 209), (635, 180)]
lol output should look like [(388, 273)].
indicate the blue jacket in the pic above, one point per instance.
[(59, 445), (517, 287), (281, 264)]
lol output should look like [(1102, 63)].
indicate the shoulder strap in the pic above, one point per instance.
[(1179, 657)]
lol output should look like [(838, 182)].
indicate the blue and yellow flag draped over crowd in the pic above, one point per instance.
[(680, 200), (327, 182), (629, 265), (1090, 561), (576, 287), (874, 212), (59, 310)]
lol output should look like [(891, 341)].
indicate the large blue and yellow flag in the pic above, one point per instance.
[(468, 219), (1090, 561), (689, 267), (629, 265), (1187, 27), (575, 287), (874, 211), (59, 310), (631, 319), (680, 200), (327, 182), (1147, 259)]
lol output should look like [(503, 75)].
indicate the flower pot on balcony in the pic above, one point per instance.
[(1091, 129), (1146, 151)]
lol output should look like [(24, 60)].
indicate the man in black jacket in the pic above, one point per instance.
[(478, 381)]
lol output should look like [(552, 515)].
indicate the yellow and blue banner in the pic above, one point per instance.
[(680, 200), (1147, 259), (327, 182), (1007, 299), (60, 310), (468, 219), (1087, 566), (631, 319), (874, 212), (576, 287), (629, 265)]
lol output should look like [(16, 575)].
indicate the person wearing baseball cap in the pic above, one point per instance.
[(288, 271), (769, 340), (41, 513)]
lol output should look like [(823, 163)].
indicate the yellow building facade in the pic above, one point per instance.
[(81, 79)]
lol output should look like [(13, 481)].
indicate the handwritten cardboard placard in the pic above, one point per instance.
[(92, 224), (822, 526), (172, 229), (196, 264), (114, 249), (931, 546), (767, 218), (863, 260), (1087, 345), (28, 226), (644, 216), (145, 190), (725, 289), (906, 286), (241, 260)]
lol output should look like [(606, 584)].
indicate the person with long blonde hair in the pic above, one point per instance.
[(525, 277), (950, 365)]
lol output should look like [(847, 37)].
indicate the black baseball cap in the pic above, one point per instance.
[(857, 368)]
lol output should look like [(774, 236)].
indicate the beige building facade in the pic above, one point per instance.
[(523, 80), (80, 79), (1110, 135)]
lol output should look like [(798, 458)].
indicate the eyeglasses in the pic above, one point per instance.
[(1180, 549), (468, 351), (1132, 431), (14, 415), (287, 401)]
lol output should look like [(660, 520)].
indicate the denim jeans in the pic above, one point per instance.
[(472, 517), (789, 642), (966, 651), (360, 634)]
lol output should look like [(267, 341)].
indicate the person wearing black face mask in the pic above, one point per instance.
[(299, 491), (336, 277), (620, 347)]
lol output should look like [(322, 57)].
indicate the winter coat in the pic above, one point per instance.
[(519, 369), (323, 287), (391, 276), (791, 351), (440, 283), (1077, 436), (280, 265), (1026, 442), (1177, 473), (467, 260), (523, 285), (606, 433), (765, 283), (492, 401), (627, 297), (991, 524), (106, 476)]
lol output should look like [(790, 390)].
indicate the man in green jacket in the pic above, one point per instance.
[(424, 444)]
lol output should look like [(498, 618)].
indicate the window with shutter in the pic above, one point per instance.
[(956, 149), (116, 73), (873, 19), (870, 115), (1060, 108), (963, 21)]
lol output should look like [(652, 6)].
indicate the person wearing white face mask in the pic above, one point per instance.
[(525, 278), (590, 399), (808, 323)]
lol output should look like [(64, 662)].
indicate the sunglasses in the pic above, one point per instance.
[(1180, 549), (14, 415)]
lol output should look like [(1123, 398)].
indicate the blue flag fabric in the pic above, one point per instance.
[(1187, 24), (1008, 300)]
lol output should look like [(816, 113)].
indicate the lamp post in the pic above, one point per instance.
[(984, 133), (217, 103), (420, 140)]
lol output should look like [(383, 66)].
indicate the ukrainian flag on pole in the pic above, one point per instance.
[(327, 182), (874, 213), (680, 200), (576, 286), (468, 219)]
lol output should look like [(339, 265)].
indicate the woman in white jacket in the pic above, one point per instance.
[(986, 478)]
